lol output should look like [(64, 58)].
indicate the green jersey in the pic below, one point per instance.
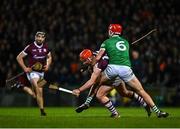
[(117, 50)]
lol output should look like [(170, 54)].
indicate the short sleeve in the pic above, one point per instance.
[(103, 45), (26, 50), (47, 48)]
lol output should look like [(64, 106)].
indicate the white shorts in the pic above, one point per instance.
[(115, 82), (34, 74), (124, 72)]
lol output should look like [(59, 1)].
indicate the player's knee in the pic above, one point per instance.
[(99, 96), (35, 86), (125, 93), (33, 95), (122, 91)]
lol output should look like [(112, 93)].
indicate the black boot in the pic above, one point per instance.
[(163, 114), (82, 107), (42, 112)]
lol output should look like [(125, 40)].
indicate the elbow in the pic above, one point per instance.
[(17, 58)]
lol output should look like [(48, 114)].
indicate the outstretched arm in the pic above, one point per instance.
[(90, 82)]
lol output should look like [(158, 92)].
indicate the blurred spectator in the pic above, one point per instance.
[(72, 26), (137, 65), (176, 98)]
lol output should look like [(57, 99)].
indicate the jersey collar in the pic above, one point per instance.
[(39, 46), (115, 36)]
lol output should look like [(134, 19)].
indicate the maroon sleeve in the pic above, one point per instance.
[(48, 50), (27, 49)]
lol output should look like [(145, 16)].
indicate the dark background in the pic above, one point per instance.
[(72, 25)]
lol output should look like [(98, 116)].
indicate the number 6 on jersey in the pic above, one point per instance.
[(120, 46)]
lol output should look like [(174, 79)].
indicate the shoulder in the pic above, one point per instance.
[(110, 40), (104, 43), (29, 46), (45, 45), (124, 39), (107, 40)]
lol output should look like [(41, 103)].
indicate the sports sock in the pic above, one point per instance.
[(156, 109), (91, 95), (88, 100), (139, 99), (110, 107)]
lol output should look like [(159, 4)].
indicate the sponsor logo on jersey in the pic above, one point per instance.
[(38, 57), (44, 50)]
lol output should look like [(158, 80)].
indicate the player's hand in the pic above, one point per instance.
[(27, 70), (76, 92)]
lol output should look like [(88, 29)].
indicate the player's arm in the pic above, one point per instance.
[(48, 61), (20, 60), (100, 54), (92, 80), (94, 76)]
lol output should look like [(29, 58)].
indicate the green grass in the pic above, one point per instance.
[(62, 117)]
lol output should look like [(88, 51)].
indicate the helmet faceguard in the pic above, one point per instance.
[(114, 29)]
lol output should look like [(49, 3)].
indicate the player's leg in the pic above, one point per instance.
[(39, 96), (101, 96), (26, 86), (123, 91), (34, 78), (127, 75), (29, 91), (86, 104), (42, 101), (103, 91), (41, 82), (92, 92), (136, 85)]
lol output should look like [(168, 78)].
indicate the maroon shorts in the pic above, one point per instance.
[(23, 80)]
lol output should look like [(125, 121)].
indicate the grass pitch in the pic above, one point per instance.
[(66, 117)]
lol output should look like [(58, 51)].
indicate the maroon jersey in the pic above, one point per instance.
[(103, 62), (36, 53)]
